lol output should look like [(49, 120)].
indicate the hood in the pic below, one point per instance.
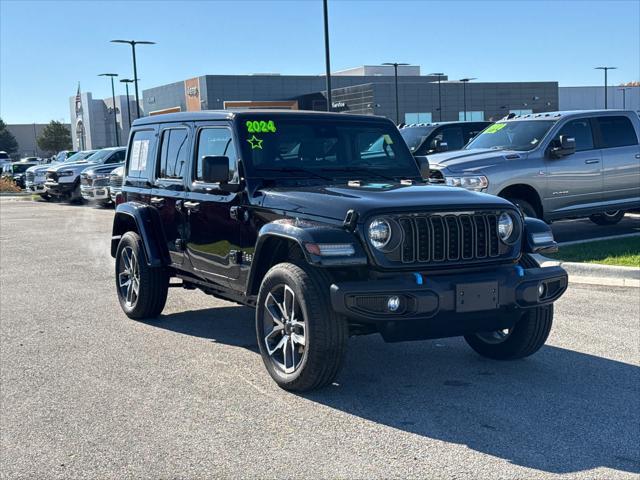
[(39, 168), (334, 201), (93, 169), (471, 160), (75, 166)]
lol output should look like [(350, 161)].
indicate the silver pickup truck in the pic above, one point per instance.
[(554, 165)]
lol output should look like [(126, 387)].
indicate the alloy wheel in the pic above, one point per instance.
[(129, 276), (284, 329)]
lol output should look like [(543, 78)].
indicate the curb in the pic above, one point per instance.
[(596, 274), (16, 194)]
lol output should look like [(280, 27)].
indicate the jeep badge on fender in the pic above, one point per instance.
[(323, 224)]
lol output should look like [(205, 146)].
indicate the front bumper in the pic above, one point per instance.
[(59, 188), (450, 304), (93, 193), (36, 187)]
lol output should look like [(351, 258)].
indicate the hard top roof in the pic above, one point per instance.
[(229, 115)]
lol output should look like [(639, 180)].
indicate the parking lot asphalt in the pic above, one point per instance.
[(86, 392), (584, 229)]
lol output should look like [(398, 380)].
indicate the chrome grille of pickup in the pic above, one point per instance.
[(115, 182), (85, 180), (449, 238), (30, 176)]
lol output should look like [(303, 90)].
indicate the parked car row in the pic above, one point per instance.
[(83, 175)]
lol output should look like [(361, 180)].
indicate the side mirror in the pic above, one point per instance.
[(439, 146), (564, 146), (215, 169), (423, 162)]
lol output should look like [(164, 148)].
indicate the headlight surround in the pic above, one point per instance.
[(507, 228), (379, 233), (476, 183)]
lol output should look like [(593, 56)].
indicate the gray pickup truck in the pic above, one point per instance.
[(554, 165)]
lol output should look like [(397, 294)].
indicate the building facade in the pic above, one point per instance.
[(92, 121), (26, 135), (364, 90), (592, 98)]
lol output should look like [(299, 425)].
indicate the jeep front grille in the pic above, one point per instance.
[(449, 238)]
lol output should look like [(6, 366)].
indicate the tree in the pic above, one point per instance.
[(7, 140), (54, 138)]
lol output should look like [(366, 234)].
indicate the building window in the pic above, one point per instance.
[(424, 117), (526, 111), (472, 116)]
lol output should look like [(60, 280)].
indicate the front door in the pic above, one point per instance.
[(215, 217), (169, 194), (574, 181)]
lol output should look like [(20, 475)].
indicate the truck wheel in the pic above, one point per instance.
[(607, 218), (142, 290), (526, 207), (45, 196), (525, 338), (76, 195), (302, 340)]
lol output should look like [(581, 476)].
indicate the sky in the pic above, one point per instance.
[(47, 47)]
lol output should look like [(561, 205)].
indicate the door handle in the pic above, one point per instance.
[(589, 162), (157, 201), (191, 206)]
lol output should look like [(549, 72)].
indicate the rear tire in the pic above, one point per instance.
[(142, 290), (302, 340), (607, 218), (525, 206)]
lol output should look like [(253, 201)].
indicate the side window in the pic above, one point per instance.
[(174, 146), (617, 132), (116, 157), (216, 142), (452, 136), (142, 144), (579, 129)]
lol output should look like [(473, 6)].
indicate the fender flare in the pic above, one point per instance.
[(145, 221), (302, 233), (537, 237)]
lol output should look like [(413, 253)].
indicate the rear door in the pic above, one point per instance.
[(215, 217), (471, 129), (169, 194), (574, 181), (620, 157)]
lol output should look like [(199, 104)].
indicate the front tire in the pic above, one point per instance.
[(607, 218), (302, 340), (525, 338), (142, 290), (525, 206)]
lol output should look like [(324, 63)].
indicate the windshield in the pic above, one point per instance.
[(21, 167), (518, 135), (324, 148), (80, 156), (414, 136), (99, 156)]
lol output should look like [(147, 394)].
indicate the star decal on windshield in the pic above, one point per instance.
[(255, 142)]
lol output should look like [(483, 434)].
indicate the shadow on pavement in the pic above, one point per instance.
[(559, 411)]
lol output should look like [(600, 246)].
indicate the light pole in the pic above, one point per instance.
[(126, 82), (327, 53), (133, 44), (115, 116), (464, 94), (395, 74), (624, 97), (606, 69), (439, 75)]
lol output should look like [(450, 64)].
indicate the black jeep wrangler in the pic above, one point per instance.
[(323, 223)]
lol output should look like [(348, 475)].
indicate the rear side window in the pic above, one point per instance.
[(216, 142), (173, 153), (617, 132), (117, 157), (139, 151), (579, 129)]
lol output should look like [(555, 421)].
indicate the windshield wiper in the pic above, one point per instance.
[(294, 170), (361, 170)]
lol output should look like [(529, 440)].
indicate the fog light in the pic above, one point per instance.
[(541, 290), (393, 304)]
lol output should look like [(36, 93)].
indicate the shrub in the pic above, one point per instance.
[(8, 186)]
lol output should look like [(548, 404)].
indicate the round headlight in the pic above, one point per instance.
[(379, 233), (505, 226)]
